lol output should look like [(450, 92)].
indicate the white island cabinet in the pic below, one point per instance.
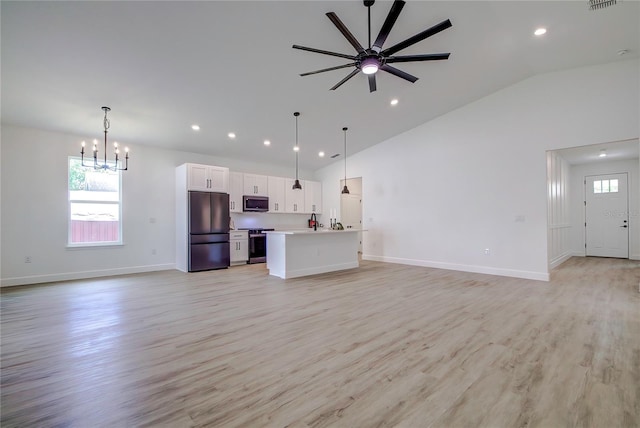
[(295, 253)]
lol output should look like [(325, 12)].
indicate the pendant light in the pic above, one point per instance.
[(345, 190), (297, 185)]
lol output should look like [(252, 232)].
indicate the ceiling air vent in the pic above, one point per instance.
[(600, 4), (335, 156)]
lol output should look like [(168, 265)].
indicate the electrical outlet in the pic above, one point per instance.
[(27, 259), (487, 252)]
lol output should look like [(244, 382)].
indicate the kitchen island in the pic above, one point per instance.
[(296, 253)]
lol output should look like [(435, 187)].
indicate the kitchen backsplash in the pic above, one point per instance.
[(266, 220)]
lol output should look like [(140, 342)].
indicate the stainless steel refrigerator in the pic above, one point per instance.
[(208, 231)]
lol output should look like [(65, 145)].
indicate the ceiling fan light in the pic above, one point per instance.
[(369, 65)]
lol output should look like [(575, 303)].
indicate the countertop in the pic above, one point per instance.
[(311, 231)]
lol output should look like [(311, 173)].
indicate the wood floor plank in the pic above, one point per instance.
[(380, 346)]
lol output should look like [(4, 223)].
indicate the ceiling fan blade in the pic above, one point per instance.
[(329, 69), (394, 12), (417, 38), (399, 73), (345, 32), (411, 58), (372, 83), (353, 73), (320, 51)]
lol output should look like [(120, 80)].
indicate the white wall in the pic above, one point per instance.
[(440, 194), (34, 209), (578, 173), (558, 209)]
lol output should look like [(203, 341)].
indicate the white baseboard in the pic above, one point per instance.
[(583, 254), (538, 276), (68, 276), (559, 260)]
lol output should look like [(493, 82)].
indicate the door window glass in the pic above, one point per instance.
[(605, 186)]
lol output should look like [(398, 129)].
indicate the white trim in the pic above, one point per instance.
[(579, 254), (538, 276), (559, 260), (634, 257), (69, 276)]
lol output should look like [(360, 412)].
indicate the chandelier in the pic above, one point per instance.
[(106, 165)]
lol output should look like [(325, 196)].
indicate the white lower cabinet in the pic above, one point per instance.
[(239, 248)]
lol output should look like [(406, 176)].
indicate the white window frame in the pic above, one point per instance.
[(70, 244)]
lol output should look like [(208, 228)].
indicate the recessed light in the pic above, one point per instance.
[(267, 142), (603, 153), (394, 102), (231, 135), (540, 31), (321, 154), (195, 127), (296, 148)]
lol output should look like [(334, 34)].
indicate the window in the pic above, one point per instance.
[(605, 186), (94, 206)]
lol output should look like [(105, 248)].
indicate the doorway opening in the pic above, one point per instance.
[(584, 217)]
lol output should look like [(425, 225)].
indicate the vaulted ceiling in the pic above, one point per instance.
[(229, 67)]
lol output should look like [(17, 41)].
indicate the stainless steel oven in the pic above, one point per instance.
[(257, 245)]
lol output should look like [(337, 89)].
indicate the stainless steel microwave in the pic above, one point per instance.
[(255, 203)]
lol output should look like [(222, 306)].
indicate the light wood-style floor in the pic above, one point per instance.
[(383, 345)]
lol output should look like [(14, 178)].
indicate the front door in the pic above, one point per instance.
[(607, 216)]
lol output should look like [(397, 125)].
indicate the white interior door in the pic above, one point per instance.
[(607, 216), (351, 214)]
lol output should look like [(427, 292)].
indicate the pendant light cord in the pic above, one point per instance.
[(296, 115), (345, 189), (345, 155)]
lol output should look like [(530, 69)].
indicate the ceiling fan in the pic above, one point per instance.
[(370, 60)]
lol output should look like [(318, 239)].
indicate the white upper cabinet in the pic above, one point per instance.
[(207, 178), (256, 185), (312, 197), (276, 194), (236, 190), (294, 199)]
